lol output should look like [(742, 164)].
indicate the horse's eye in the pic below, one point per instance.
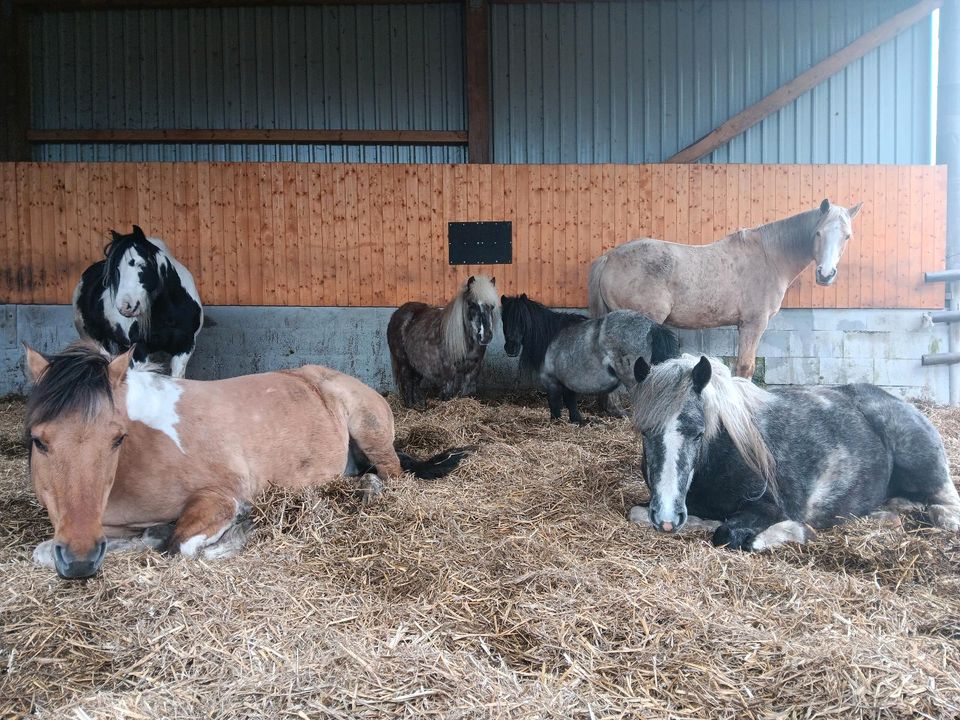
[(118, 441), (39, 444), (132, 263)]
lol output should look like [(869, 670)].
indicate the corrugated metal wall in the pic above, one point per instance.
[(638, 81), (367, 67), (623, 81)]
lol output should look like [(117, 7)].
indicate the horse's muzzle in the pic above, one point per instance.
[(130, 312), (667, 525), (826, 279), (72, 567)]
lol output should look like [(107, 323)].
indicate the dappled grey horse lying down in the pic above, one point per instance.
[(575, 355), (767, 466)]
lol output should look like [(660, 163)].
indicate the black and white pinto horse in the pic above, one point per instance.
[(771, 465), (139, 294), (573, 354)]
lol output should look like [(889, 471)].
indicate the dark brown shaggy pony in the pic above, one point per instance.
[(443, 347)]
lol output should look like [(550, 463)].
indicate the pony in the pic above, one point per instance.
[(769, 466), (118, 453), (738, 280), (443, 347), (139, 296), (573, 354)]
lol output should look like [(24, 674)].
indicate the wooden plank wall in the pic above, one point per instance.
[(376, 235)]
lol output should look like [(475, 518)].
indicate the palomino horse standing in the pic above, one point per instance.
[(738, 280), (443, 346), (770, 464), (115, 450)]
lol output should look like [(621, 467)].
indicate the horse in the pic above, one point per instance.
[(738, 280), (443, 347), (139, 296), (573, 354), (119, 452), (764, 467)]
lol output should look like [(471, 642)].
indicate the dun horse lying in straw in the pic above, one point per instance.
[(575, 355), (768, 464), (738, 280), (115, 450), (434, 347)]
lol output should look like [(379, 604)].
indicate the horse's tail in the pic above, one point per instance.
[(598, 306), (437, 466), (664, 344)]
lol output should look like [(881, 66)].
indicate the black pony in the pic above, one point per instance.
[(574, 354), (139, 295)]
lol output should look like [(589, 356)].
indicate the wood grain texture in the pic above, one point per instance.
[(376, 235)]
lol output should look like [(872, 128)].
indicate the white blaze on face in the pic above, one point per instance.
[(833, 235), (130, 292), (668, 484), (152, 400)]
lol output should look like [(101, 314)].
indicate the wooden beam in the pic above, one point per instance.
[(301, 137), (476, 45), (76, 5), (805, 81)]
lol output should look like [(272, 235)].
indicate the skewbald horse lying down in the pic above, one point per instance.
[(117, 450)]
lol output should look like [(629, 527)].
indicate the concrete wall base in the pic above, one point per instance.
[(801, 347)]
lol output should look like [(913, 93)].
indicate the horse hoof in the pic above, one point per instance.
[(157, 537), (733, 538), (371, 487)]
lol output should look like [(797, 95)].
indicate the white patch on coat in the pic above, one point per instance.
[(780, 533), (190, 546), (152, 400), (827, 486), (129, 289)]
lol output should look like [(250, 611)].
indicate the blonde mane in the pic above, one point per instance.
[(730, 403), (454, 323)]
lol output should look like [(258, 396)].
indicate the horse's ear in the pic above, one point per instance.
[(701, 374), (855, 210), (503, 299), (640, 369), (138, 233), (523, 296), (117, 370), (493, 281), (34, 364), (470, 280), (824, 206)]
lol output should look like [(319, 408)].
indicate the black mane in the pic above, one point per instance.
[(76, 381), (117, 248), (538, 324)]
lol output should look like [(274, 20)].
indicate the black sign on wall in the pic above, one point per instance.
[(480, 243)]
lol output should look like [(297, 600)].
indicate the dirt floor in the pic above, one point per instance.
[(514, 588)]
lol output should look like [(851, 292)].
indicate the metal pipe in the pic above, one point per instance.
[(947, 358), (942, 276), (948, 153), (946, 316)]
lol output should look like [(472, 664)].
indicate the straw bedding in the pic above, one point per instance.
[(512, 589)]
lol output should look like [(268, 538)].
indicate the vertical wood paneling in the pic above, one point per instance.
[(299, 234)]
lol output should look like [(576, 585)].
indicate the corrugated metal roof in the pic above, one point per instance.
[(359, 66), (620, 81), (638, 81)]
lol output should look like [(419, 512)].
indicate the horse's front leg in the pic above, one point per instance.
[(470, 379), (213, 522), (747, 343), (570, 400), (178, 364), (759, 526)]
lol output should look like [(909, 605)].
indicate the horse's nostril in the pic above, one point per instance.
[(666, 526)]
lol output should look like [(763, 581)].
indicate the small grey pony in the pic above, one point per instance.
[(767, 466), (574, 355)]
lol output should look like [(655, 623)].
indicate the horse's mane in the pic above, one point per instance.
[(539, 326), (76, 380), (729, 403), (479, 289)]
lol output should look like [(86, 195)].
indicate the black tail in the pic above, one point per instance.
[(663, 344), (437, 466)]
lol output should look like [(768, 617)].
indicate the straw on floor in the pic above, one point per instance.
[(514, 588)]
